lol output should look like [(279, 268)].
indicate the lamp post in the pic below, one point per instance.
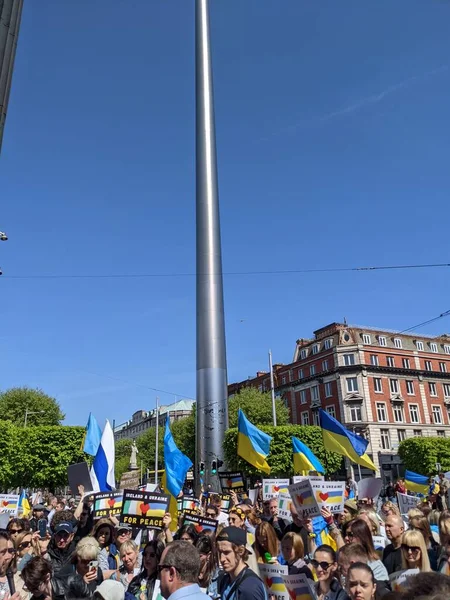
[(29, 412)]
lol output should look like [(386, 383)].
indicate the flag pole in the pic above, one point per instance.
[(272, 390), (157, 441)]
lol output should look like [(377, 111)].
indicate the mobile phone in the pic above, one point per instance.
[(93, 565), (42, 528)]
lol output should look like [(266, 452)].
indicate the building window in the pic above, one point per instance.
[(325, 365), (385, 439), (397, 342), (300, 373), (428, 365), (433, 347), (446, 387), (315, 348), (328, 343), (312, 370), (328, 391), (401, 434), (349, 360), (443, 367), (303, 353), (283, 381), (405, 363), (417, 433), (440, 433), (374, 360), (414, 413), (447, 349), (437, 414), (381, 412), (378, 385), (352, 384), (399, 416), (419, 345), (432, 388), (315, 393), (316, 419), (331, 410), (382, 340), (366, 338), (393, 385), (355, 414), (305, 418), (410, 387), (390, 361), (302, 396)]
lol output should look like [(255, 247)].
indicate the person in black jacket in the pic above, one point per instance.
[(151, 557), (356, 553), (293, 552), (82, 574), (61, 546)]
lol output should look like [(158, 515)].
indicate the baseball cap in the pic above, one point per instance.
[(110, 590), (64, 526), (123, 528), (351, 505), (40, 507), (234, 535)]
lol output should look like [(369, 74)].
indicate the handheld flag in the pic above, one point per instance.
[(416, 483), (337, 438), (92, 436), (253, 444), (102, 470), (304, 459), (177, 464), (23, 504)]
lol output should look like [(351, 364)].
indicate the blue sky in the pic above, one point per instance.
[(333, 143)]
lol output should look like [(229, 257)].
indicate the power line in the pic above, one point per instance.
[(441, 316), (230, 273)]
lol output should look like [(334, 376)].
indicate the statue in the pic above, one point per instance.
[(133, 460)]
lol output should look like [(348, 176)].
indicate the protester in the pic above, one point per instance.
[(414, 552), (293, 552), (17, 526), (421, 524), (361, 582), (349, 513), (143, 585), (129, 555), (209, 568), (444, 485), (354, 553), (27, 546), (37, 576), (83, 570), (392, 554), (39, 515), (400, 486), (426, 586), (325, 567), (187, 533), (444, 560), (61, 546), (388, 508), (216, 501), (7, 563), (104, 532), (390, 491), (301, 526), (444, 527), (359, 532), (239, 581), (266, 544), (212, 512), (178, 571), (237, 518), (371, 519)]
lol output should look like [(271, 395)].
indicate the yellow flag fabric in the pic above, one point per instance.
[(173, 506)]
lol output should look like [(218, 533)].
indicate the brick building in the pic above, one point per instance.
[(384, 385)]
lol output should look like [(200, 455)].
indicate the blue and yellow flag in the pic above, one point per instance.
[(304, 459), (337, 438), (177, 463), (253, 444), (24, 504), (416, 483)]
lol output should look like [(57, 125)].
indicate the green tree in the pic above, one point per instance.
[(280, 457), (41, 409), (146, 444), (122, 455), (257, 407), (183, 431), (421, 454)]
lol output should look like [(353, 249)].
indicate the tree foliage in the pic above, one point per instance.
[(122, 453), (421, 454), (280, 457), (42, 409), (257, 407)]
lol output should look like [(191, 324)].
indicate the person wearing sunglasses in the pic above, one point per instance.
[(325, 566), (433, 548), (358, 531), (143, 585), (27, 546), (16, 526), (414, 552), (8, 564), (178, 572)]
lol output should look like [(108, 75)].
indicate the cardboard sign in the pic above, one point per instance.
[(144, 509), (232, 481), (78, 474), (370, 487), (330, 494), (273, 578), (298, 478), (9, 503), (200, 523), (107, 504), (299, 587), (284, 506), (226, 501), (398, 579), (406, 503), (304, 500), (272, 487), (253, 494)]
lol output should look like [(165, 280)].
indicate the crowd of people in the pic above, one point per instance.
[(61, 552)]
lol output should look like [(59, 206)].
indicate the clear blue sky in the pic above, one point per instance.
[(333, 138)]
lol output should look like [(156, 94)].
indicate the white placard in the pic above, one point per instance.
[(303, 497), (330, 494), (272, 487), (379, 541), (252, 495), (273, 578), (370, 487), (284, 506), (299, 587), (406, 503), (9, 503), (398, 579), (298, 478)]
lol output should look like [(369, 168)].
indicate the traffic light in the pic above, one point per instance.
[(214, 467), (201, 468), (219, 463)]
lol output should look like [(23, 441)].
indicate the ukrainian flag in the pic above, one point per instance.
[(416, 483), (24, 504), (253, 444), (304, 459), (337, 438)]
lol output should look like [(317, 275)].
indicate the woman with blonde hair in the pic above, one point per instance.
[(370, 517), (129, 555), (433, 549), (83, 570), (414, 552), (444, 527), (293, 552), (266, 546), (389, 508)]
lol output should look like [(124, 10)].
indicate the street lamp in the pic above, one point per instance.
[(29, 412)]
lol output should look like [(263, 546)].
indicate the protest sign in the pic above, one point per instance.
[(9, 503), (200, 523), (298, 478), (252, 494), (299, 588), (406, 503), (272, 487), (370, 487), (284, 506), (379, 542), (187, 503), (398, 579), (330, 494), (304, 500), (107, 504), (230, 481), (78, 474), (273, 578), (144, 509), (4, 520), (226, 500)]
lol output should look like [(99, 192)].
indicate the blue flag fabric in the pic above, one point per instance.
[(93, 436), (177, 464)]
